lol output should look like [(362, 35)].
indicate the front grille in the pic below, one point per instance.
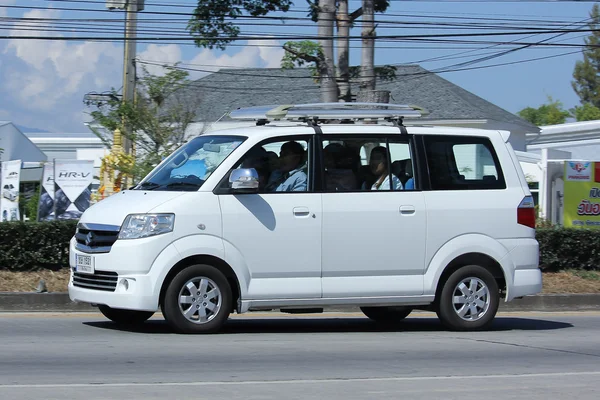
[(100, 280), (97, 240)]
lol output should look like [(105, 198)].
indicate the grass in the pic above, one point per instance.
[(56, 281), (570, 281)]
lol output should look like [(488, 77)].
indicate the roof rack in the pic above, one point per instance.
[(315, 112)]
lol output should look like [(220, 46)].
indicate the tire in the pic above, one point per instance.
[(125, 317), (469, 299), (205, 281), (387, 314)]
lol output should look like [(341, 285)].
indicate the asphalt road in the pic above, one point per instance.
[(333, 356)]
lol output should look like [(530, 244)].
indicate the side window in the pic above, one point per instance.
[(282, 165), (463, 163), (365, 164), (402, 164)]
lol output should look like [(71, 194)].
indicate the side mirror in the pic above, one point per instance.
[(244, 180)]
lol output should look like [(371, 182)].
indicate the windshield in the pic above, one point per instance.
[(189, 166)]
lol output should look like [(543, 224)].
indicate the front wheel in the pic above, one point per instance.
[(469, 299), (198, 300), (387, 314), (125, 317)]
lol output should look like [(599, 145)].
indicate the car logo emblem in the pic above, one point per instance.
[(89, 239)]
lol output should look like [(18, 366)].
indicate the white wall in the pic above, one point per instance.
[(91, 154)]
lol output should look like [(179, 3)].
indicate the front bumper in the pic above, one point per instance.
[(133, 292), (140, 267)]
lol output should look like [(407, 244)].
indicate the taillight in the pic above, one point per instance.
[(526, 212)]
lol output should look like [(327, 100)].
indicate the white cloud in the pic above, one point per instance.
[(4, 11), (44, 75), (43, 82), (257, 54), (160, 54), (261, 53), (271, 52)]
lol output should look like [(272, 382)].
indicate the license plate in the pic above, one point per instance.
[(84, 264)]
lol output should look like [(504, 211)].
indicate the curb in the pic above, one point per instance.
[(60, 302)]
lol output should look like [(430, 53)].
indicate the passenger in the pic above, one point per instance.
[(379, 166), (273, 160), (257, 158), (339, 175), (291, 174)]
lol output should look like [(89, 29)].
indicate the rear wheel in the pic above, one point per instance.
[(469, 299), (125, 317), (198, 300), (387, 314)]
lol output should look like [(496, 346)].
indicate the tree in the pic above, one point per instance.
[(213, 26), (368, 46), (344, 22), (587, 72), (158, 120), (586, 112), (551, 113), (208, 24), (312, 53), (329, 87)]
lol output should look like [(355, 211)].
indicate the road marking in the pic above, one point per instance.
[(302, 381)]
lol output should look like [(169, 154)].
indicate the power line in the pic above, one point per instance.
[(505, 52), (351, 37), (382, 23), (439, 70), (261, 16), (222, 88), (294, 10)]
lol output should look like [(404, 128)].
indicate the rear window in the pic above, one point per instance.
[(463, 163)]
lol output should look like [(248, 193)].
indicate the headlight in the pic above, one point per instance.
[(143, 225)]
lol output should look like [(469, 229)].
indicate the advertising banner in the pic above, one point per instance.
[(582, 194), (10, 179), (46, 204), (66, 189)]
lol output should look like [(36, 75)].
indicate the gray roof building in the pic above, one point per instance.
[(447, 103)]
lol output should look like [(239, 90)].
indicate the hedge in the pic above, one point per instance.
[(568, 248), (26, 246)]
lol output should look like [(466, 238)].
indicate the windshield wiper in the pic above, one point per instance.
[(147, 185), (182, 185)]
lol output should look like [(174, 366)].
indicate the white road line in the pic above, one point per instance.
[(301, 381)]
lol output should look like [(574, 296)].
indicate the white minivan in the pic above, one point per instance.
[(315, 206)]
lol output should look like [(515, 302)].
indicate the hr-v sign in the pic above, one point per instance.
[(73, 174)]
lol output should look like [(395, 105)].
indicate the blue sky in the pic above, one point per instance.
[(42, 83)]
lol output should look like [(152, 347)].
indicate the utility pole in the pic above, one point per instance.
[(131, 7), (129, 75)]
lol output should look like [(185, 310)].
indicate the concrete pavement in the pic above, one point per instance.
[(272, 356)]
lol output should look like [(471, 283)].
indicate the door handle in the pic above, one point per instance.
[(407, 210), (301, 211)]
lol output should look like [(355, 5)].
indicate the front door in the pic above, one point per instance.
[(276, 234), (374, 224)]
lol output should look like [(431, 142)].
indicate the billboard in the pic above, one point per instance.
[(582, 194), (66, 189), (10, 179)]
